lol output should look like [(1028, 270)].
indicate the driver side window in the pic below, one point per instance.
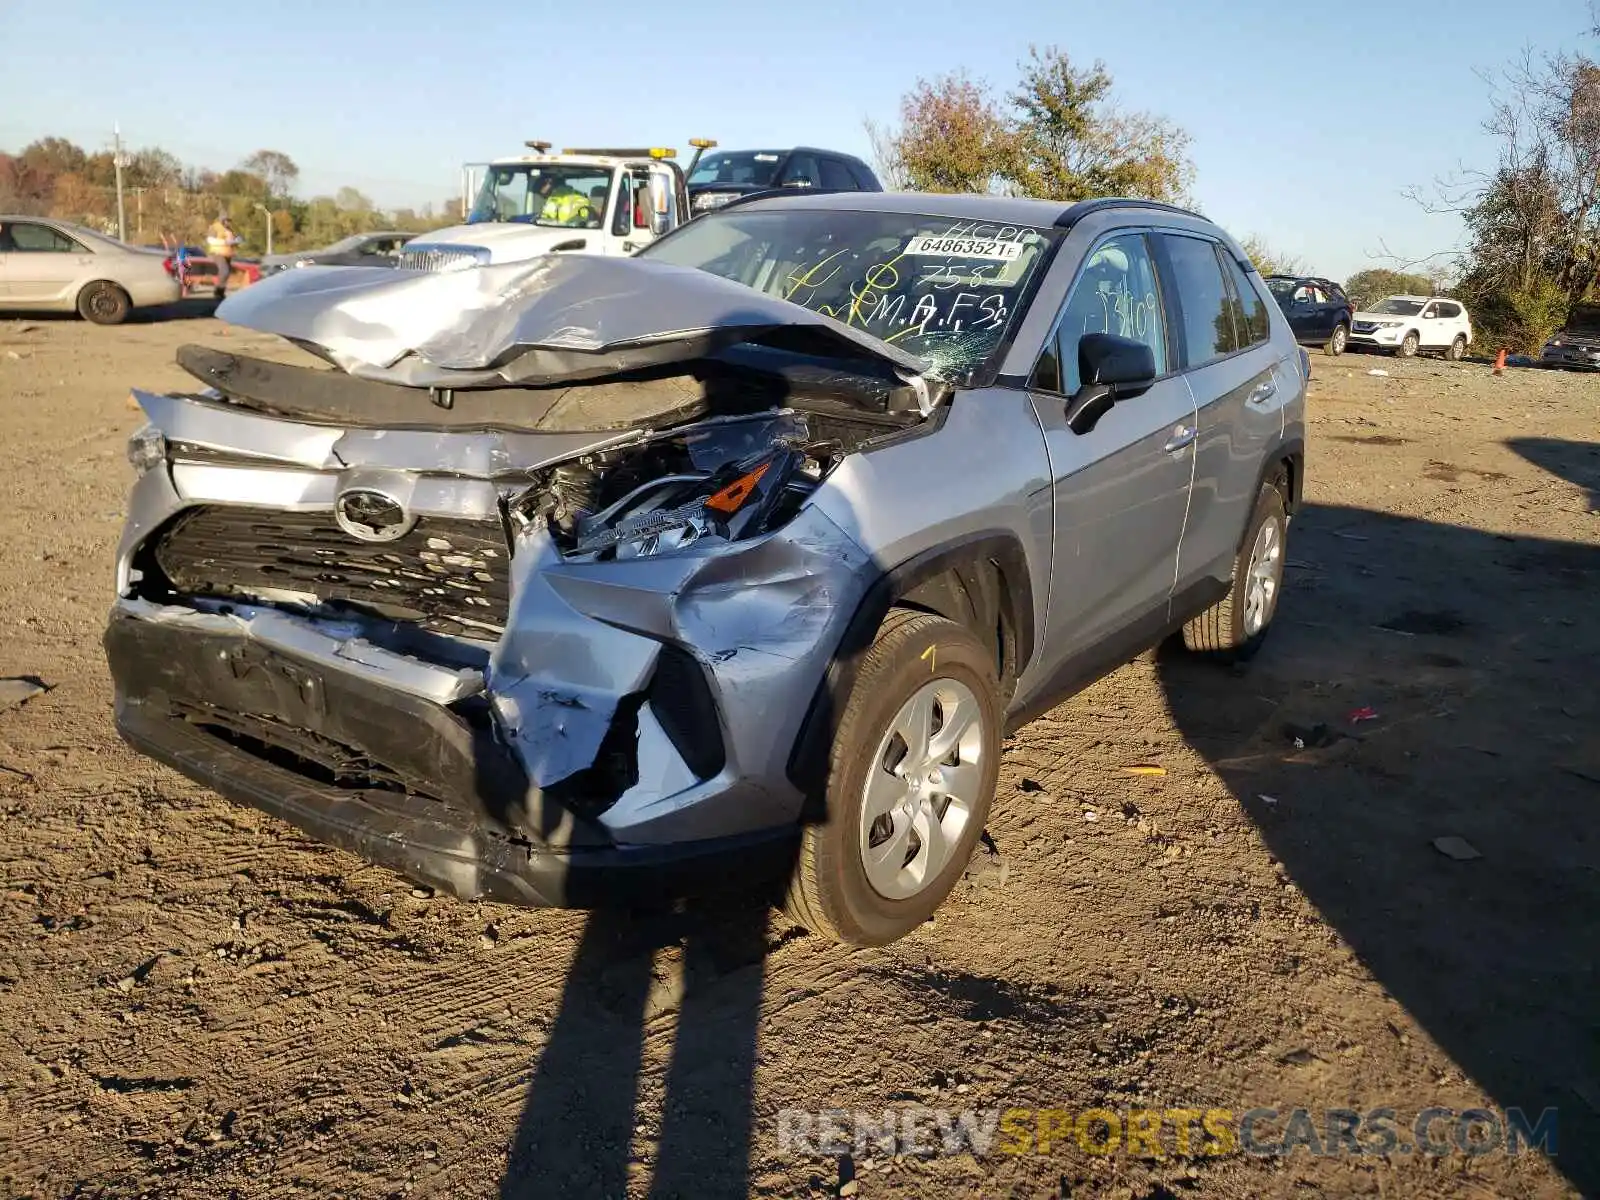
[(1116, 292)]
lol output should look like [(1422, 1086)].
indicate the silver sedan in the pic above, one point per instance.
[(55, 266)]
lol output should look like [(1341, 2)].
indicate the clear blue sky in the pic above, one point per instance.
[(1308, 120)]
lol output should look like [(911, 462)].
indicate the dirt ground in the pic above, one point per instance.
[(195, 1000)]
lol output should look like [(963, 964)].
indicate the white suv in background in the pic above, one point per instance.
[(1406, 324)]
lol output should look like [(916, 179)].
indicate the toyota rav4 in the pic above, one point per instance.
[(584, 578)]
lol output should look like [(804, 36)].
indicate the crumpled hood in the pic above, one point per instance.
[(554, 319)]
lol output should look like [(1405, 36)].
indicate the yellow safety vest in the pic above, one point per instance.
[(565, 208), (219, 241)]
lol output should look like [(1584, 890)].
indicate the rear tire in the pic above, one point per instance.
[(104, 303), (1337, 341), (1408, 345), (1457, 349), (894, 842), (1234, 627)]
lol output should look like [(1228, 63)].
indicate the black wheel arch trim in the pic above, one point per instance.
[(1290, 451), (957, 567)]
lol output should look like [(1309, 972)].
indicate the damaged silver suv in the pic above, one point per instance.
[(589, 579)]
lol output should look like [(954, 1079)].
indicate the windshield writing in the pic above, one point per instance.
[(571, 196), (945, 291)]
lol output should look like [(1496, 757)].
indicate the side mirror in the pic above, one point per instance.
[(1112, 368), (660, 223)]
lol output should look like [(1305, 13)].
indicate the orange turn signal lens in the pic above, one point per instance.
[(731, 498)]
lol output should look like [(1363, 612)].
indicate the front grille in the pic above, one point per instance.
[(437, 260), (448, 575)]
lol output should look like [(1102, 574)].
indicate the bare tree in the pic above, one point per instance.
[(886, 160)]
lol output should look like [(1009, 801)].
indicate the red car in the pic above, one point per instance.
[(199, 276)]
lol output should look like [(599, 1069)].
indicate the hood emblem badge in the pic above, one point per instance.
[(371, 515)]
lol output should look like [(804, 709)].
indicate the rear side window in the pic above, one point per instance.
[(1250, 324), (1200, 307), (42, 238), (864, 178), (1450, 310), (836, 175)]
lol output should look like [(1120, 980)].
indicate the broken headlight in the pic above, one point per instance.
[(147, 450)]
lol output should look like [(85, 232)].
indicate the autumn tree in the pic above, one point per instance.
[(53, 156), (952, 137), (277, 168), (55, 177), (1060, 136)]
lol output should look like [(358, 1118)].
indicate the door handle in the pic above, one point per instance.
[(1181, 437), (1263, 392)]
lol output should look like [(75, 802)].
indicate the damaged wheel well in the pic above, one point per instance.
[(981, 582)]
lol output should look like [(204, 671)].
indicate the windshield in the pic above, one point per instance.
[(945, 291), (1397, 307), (345, 244), (1584, 318), (738, 166), (565, 195)]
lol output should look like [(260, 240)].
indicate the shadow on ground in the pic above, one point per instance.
[(1477, 651), (583, 1130)]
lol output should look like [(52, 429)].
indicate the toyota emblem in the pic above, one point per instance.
[(371, 515)]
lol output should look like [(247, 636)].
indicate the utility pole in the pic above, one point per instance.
[(118, 161), (268, 212), (138, 207)]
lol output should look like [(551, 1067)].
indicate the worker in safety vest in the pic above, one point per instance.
[(563, 205), (220, 243)]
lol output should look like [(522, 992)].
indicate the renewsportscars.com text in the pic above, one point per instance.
[(1165, 1132)]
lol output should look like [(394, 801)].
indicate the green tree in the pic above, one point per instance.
[(1072, 143), (1058, 136), (1370, 286), (1269, 261), (277, 168)]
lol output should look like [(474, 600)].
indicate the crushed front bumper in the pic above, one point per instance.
[(425, 788)]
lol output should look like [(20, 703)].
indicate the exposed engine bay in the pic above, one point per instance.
[(729, 479)]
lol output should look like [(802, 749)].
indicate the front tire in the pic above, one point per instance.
[(1409, 344), (911, 776), (1234, 627), (104, 303), (1337, 341)]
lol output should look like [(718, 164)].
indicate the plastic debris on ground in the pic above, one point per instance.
[(1457, 848), (1364, 713), (15, 692)]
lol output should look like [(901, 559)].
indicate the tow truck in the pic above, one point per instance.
[(580, 201)]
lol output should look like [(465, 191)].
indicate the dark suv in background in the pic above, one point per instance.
[(729, 174), (1317, 310), (1577, 346)]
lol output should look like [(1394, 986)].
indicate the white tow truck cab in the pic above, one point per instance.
[(581, 201)]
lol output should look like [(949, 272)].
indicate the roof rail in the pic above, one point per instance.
[(1083, 208)]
